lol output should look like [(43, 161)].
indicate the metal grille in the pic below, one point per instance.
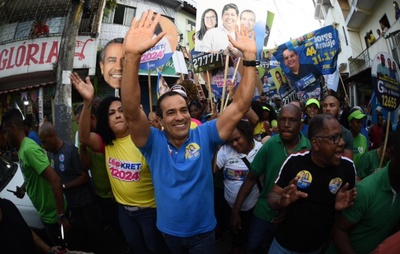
[(17, 17)]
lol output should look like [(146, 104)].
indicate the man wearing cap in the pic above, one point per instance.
[(376, 210), (313, 108), (360, 147)]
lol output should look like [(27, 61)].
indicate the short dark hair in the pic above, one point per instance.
[(159, 112), (230, 6), (13, 116), (103, 51), (317, 124)]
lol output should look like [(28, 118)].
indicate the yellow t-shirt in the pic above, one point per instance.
[(129, 174)]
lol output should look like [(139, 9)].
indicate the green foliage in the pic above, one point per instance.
[(110, 6)]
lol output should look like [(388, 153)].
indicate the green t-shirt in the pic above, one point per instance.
[(360, 147), (376, 212), (269, 160), (101, 182), (368, 163), (33, 161)]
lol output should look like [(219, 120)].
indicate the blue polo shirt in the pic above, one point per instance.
[(183, 180)]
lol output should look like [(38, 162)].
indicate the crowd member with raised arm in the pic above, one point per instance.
[(180, 157), (127, 169)]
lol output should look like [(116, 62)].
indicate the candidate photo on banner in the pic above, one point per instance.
[(213, 25), (385, 80), (285, 90), (306, 59)]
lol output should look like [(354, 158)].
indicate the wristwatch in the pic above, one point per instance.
[(252, 63)]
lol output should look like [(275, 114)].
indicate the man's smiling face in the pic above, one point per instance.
[(111, 67)]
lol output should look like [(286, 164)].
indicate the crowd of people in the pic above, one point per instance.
[(298, 177)]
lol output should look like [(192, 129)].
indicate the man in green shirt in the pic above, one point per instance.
[(42, 183), (376, 210), (268, 161), (360, 147)]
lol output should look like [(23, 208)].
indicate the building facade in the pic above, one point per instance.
[(355, 21)]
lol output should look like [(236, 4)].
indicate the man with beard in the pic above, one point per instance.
[(268, 161), (310, 188)]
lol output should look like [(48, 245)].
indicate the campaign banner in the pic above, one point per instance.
[(285, 90), (385, 80), (306, 59), (217, 82), (213, 25), (164, 49)]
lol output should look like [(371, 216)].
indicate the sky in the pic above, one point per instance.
[(293, 18)]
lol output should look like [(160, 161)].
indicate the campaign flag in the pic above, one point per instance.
[(306, 59), (162, 86), (385, 80), (163, 50)]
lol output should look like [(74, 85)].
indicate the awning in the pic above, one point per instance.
[(24, 88)]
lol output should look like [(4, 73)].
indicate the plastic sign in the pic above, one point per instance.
[(306, 59), (164, 49), (385, 80)]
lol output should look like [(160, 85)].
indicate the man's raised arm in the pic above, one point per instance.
[(138, 40), (228, 120)]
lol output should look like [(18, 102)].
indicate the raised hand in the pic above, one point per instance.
[(86, 90), (140, 36), (291, 194), (345, 198), (244, 42)]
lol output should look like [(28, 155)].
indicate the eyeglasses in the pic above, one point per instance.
[(210, 18), (179, 89), (334, 138)]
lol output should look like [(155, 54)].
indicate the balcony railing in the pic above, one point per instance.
[(388, 44)]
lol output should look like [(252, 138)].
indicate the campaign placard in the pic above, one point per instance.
[(306, 59), (385, 80), (214, 24), (164, 49)]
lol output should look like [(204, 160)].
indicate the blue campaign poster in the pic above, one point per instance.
[(306, 59)]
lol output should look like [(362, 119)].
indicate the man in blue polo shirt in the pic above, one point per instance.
[(180, 157)]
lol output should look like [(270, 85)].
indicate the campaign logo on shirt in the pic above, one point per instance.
[(335, 184), (61, 157), (192, 151), (305, 179), (62, 167), (235, 174)]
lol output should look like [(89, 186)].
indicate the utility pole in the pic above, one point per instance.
[(63, 97)]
